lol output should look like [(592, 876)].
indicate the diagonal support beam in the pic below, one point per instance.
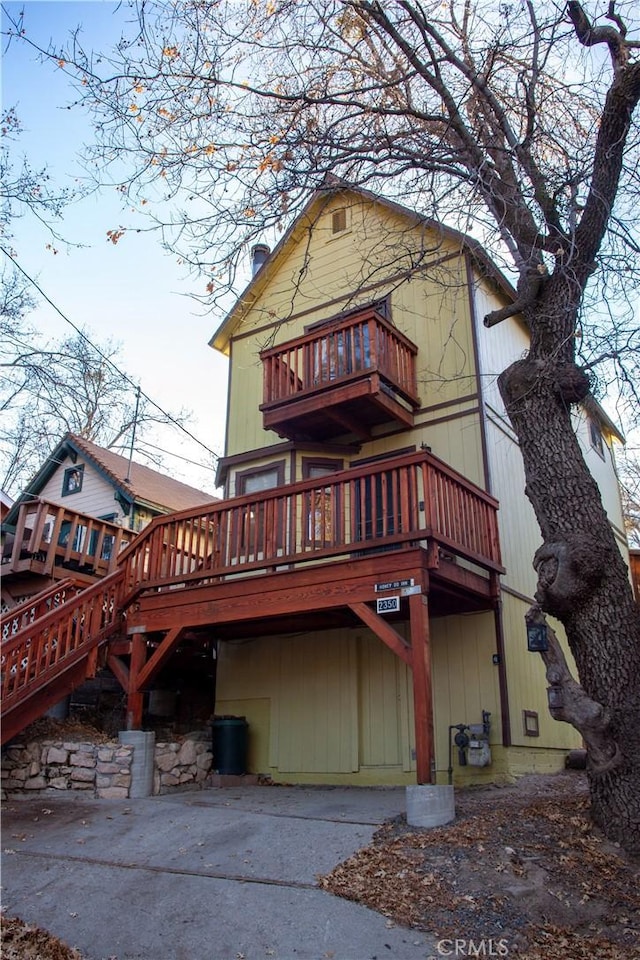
[(120, 670), (383, 630), (159, 658)]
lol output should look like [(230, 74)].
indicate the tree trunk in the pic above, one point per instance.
[(584, 583)]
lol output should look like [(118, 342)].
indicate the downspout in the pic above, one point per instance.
[(497, 609)]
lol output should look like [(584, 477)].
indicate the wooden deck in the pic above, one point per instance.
[(320, 549), (51, 540)]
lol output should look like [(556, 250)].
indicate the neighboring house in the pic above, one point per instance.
[(81, 508), (5, 504), (361, 589)]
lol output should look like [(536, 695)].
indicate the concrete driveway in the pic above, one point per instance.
[(224, 874)]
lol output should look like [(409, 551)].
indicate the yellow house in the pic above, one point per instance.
[(360, 346), (362, 586)]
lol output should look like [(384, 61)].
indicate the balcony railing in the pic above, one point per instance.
[(48, 535), (31, 609), (360, 367), (387, 505)]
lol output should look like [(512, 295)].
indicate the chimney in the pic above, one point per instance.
[(259, 255)]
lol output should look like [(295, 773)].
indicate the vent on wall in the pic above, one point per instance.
[(339, 220)]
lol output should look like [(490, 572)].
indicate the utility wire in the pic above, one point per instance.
[(104, 357), (143, 445)]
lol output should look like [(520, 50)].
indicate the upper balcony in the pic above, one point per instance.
[(343, 378)]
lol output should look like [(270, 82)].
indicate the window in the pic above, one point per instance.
[(259, 525), (595, 437), (264, 478), (323, 504), (73, 477), (108, 540)]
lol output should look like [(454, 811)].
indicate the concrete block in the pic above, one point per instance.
[(429, 805)]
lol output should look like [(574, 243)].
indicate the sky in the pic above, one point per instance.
[(133, 292)]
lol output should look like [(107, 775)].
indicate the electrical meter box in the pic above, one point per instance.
[(479, 751)]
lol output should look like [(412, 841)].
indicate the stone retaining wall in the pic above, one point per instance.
[(182, 765), (103, 769)]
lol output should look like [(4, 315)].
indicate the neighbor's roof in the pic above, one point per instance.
[(144, 485)]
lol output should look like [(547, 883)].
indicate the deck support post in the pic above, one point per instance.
[(422, 696), (135, 696)]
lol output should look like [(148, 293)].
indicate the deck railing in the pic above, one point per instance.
[(49, 535), (31, 609), (413, 499), (387, 505), (340, 352), (45, 649)]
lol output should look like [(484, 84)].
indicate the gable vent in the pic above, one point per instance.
[(339, 220)]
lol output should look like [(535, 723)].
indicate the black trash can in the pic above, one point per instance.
[(230, 735)]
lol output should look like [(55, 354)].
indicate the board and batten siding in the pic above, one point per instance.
[(340, 704)]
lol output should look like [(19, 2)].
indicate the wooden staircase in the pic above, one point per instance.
[(54, 652)]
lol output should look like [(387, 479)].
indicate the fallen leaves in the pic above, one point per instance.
[(21, 941), (521, 863)]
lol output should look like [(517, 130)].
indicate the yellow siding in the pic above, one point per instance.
[(432, 310), (465, 679), (519, 531), (337, 707), (380, 703), (317, 704)]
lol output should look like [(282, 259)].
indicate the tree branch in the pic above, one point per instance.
[(570, 703)]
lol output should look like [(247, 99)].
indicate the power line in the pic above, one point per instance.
[(110, 362), (142, 444)]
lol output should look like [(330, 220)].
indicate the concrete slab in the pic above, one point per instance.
[(224, 874)]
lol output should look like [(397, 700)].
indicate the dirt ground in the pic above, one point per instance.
[(520, 870)]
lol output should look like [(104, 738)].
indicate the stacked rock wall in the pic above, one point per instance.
[(185, 765), (104, 769)]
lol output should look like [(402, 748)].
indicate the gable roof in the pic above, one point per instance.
[(133, 482), (333, 187)]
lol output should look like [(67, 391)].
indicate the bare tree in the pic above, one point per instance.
[(48, 387), (510, 120)]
